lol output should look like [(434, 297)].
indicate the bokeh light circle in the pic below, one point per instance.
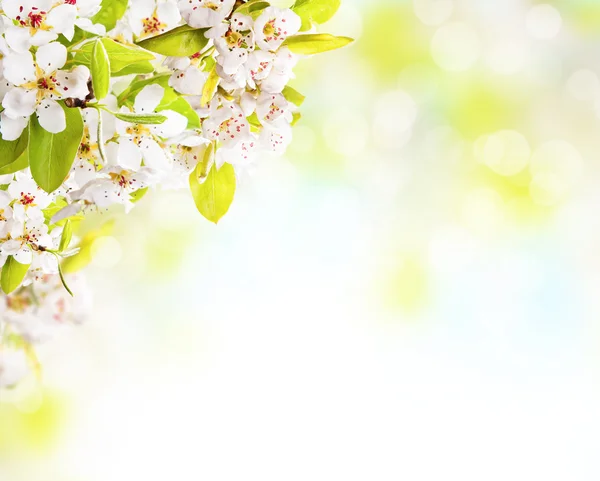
[(455, 47), (543, 22)]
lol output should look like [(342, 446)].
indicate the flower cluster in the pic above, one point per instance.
[(102, 100)]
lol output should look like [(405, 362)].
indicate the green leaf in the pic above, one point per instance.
[(252, 7), (10, 151), (84, 256), (138, 195), (128, 95), (210, 87), (79, 36), (143, 67), (13, 274), (315, 11), (67, 235), (311, 44), (51, 155), (110, 12), (122, 57), (100, 69), (21, 163), (180, 42), (214, 196), (149, 119), (292, 95)]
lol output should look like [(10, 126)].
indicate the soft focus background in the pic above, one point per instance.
[(412, 293)]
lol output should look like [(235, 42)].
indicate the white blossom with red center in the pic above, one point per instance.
[(227, 124), (273, 26), (234, 41), (153, 17), (37, 22), (38, 85)]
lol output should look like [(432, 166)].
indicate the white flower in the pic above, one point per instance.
[(139, 142), (188, 77), (148, 18), (273, 26), (187, 152), (258, 67), (14, 366), (38, 22), (280, 72), (227, 124), (25, 239), (234, 41), (205, 13), (273, 110), (39, 84), (29, 199), (276, 140), (115, 186)]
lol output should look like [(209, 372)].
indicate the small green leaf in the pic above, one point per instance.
[(100, 69), (128, 95), (51, 155), (138, 195), (110, 12), (296, 118), (214, 196), (210, 87), (292, 95), (311, 44), (315, 11), (150, 119), (122, 57), (67, 235), (180, 42), (13, 274), (10, 151), (252, 7)]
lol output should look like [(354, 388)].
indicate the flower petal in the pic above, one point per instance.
[(51, 57), (19, 102), (148, 99), (11, 129), (19, 68), (51, 116)]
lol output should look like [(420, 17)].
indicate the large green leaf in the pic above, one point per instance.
[(10, 151), (121, 56), (214, 196), (110, 12), (21, 163), (315, 43), (13, 274), (51, 155), (180, 42), (100, 70), (315, 11)]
